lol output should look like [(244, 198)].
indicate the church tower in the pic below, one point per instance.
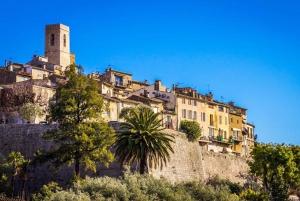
[(57, 45)]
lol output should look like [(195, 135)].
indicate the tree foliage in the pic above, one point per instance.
[(83, 137), (30, 111), (278, 167), (129, 110), (192, 129), (143, 140), (46, 191), (15, 164)]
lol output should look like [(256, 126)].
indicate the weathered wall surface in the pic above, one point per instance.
[(230, 167), (188, 162), (185, 163)]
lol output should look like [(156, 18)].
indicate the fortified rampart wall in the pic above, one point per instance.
[(188, 162)]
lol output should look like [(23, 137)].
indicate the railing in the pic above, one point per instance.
[(236, 138), (213, 138), (204, 138), (169, 109)]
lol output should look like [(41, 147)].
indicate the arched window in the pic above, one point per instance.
[(65, 40), (52, 40)]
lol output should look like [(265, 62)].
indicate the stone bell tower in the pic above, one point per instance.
[(57, 45)]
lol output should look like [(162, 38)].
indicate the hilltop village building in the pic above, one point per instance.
[(224, 125)]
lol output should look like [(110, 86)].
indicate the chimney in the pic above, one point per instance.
[(10, 66), (93, 74), (146, 94), (44, 66), (146, 81)]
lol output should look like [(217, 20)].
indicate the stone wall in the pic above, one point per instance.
[(230, 167), (185, 163), (188, 162)]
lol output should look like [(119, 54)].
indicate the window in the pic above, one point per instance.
[(183, 101), (211, 132), (189, 101), (237, 121), (118, 80), (225, 135), (195, 103), (210, 106), (183, 113), (155, 109), (220, 132), (65, 40), (192, 102), (203, 104), (225, 120), (52, 40), (40, 73), (221, 109), (106, 113), (231, 119), (190, 114), (195, 115), (235, 133), (202, 116), (211, 119), (220, 119)]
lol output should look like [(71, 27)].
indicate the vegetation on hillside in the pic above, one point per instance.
[(139, 187), (278, 165)]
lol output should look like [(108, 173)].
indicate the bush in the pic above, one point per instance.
[(192, 129), (140, 187), (251, 195), (234, 188)]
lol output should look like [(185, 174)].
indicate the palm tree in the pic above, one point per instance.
[(142, 140)]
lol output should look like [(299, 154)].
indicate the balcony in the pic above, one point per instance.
[(205, 138), (169, 109), (236, 138), (219, 140)]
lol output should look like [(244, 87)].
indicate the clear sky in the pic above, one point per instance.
[(246, 51)]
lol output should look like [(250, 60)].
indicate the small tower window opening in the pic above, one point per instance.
[(52, 40), (65, 40)]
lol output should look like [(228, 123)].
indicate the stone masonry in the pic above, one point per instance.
[(188, 162)]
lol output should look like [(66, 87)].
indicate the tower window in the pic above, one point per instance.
[(52, 40), (65, 40)]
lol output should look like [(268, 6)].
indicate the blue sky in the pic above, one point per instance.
[(246, 51)]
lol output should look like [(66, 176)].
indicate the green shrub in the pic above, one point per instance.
[(192, 129), (234, 188), (251, 195), (139, 188), (46, 191)]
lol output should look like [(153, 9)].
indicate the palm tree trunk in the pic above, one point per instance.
[(142, 165), (77, 172), (12, 186)]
